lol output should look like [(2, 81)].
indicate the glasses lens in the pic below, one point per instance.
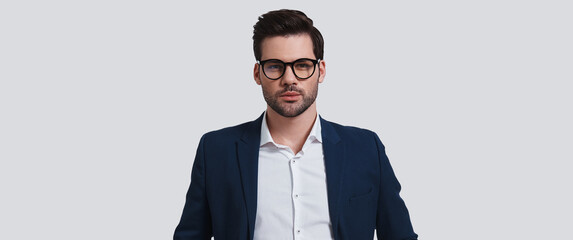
[(303, 68), (274, 69)]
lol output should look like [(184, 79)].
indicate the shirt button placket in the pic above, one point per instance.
[(295, 196)]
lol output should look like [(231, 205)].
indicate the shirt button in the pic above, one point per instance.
[(293, 161), (298, 231), (296, 196)]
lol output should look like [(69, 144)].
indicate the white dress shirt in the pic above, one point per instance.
[(292, 201)]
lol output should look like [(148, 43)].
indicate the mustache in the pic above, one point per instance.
[(290, 88)]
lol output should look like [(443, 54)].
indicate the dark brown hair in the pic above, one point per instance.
[(286, 22)]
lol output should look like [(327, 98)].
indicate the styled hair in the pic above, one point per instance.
[(286, 22)]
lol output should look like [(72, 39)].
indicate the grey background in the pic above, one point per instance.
[(102, 104)]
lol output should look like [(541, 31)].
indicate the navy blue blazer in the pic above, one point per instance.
[(363, 192)]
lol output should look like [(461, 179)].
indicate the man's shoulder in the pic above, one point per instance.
[(233, 133), (346, 131), (359, 139)]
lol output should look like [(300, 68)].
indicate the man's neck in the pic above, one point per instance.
[(291, 131)]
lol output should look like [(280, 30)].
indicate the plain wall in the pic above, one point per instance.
[(102, 105)]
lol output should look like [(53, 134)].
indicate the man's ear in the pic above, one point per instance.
[(257, 74), (322, 70)]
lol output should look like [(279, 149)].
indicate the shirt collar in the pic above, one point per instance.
[(315, 132)]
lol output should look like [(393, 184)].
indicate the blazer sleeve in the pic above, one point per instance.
[(392, 217), (195, 223)]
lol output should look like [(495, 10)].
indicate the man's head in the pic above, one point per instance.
[(288, 36), (283, 23)]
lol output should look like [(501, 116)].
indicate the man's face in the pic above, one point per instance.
[(289, 96)]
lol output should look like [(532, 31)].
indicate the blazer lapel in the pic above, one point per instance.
[(248, 157), (333, 151)]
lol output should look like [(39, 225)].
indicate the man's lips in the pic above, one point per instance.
[(290, 96)]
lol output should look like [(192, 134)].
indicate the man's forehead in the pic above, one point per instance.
[(287, 48)]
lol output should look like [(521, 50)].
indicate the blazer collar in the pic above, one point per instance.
[(328, 131)]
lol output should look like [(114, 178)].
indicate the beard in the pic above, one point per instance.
[(290, 109)]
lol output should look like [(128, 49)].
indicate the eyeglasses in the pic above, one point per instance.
[(302, 68)]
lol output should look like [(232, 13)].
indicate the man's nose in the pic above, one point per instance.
[(288, 77)]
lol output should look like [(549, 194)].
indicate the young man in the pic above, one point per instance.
[(291, 174)]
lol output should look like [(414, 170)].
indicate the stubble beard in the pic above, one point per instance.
[(290, 109)]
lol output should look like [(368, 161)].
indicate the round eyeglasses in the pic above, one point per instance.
[(302, 68)]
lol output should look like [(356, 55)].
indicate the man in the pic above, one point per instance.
[(291, 174)]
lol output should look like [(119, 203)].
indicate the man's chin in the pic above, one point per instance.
[(290, 112)]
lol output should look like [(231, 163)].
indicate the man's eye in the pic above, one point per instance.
[(273, 67), (303, 66)]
